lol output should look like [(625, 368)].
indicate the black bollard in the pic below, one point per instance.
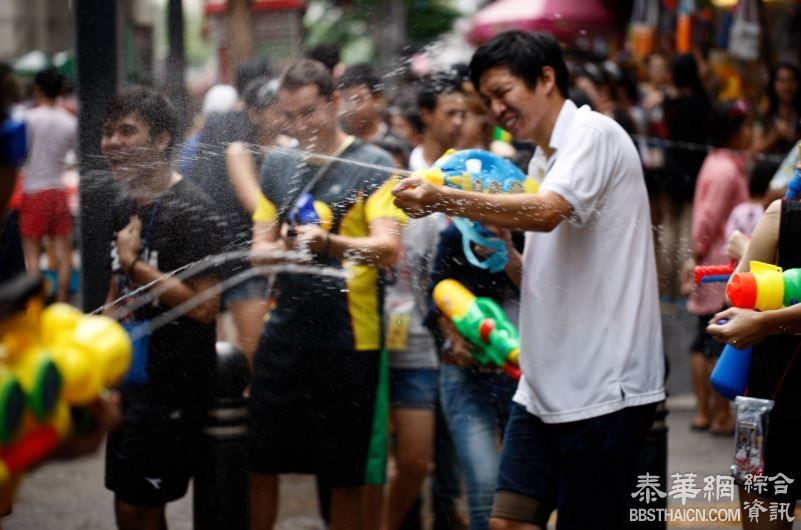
[(221, 486)]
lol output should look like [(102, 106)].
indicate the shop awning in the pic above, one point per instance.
[(564, 18)]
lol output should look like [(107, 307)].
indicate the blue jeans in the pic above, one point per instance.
[(476, 406)]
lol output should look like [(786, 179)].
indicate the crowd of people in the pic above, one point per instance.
[(643, 173)]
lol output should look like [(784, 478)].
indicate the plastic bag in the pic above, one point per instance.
[(750, 437), (744, 36)]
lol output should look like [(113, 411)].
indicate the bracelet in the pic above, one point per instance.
[(131, 266)]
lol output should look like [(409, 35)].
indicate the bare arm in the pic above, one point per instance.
[(243, 174), (764, 244), (177, 292), (541, 212), (379, 249)]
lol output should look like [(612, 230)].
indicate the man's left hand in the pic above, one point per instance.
[(129, 242)]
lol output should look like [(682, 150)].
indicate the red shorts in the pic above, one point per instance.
[(45, 213)]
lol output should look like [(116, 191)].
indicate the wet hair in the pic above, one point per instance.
[(525, 54), (326, 53), (396, 147), (409, 111), (50, 82), (761, 175), (146, 103), (308, 72), (684, 70), (726, 120), (773, 98), (361, 74), (261, 93), (437, 84), (249, 70)]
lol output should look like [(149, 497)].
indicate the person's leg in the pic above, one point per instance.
[(445, 480), (699, 371), (63, 250), (472, 422), (346, 508), (248, 316), (132, 517), (263, 501), (32, 250), (528, 482), (414, 431), (597, 458)]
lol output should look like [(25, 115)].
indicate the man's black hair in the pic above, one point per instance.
[(437, 84), (249, 70), (50, 82), (152, 107), (761, 175), (726, 120), (396, 147), (358, 75), (326, 53), (524, 54), (308, 72), (260, 93)]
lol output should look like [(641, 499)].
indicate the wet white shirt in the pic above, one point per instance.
[(589, 322), (51, 135)]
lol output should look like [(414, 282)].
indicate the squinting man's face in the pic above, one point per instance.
[(129, 148), (307, 114), (512, 104)]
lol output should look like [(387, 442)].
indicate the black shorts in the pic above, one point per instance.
[(321, 412), (152, 455), (584, 469), (704, 342)]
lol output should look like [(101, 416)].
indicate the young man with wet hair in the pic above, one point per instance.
[(591, 340), (362, 98), (162, 223), (316, 375), (442, 105)]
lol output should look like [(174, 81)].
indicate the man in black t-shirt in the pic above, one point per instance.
[(164, 223)]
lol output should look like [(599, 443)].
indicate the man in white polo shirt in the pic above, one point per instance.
[(590, 328)]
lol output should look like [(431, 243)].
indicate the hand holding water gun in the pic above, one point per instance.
[(483, 323), (51, 358), (765, 287), (483, 172)]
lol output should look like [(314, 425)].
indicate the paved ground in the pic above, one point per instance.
[(71, 496)]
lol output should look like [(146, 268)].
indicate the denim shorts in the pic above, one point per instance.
[(583, 469), (252, 288), (413, 388)]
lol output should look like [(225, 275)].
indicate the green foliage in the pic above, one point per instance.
[(428, 19)]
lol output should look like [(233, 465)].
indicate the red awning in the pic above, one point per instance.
[(219, 7), (564, 18)]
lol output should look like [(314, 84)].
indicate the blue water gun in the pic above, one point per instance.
[(308, 211), (794, 186), (484, 172)]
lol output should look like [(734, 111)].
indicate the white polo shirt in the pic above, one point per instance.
[(589, 321)]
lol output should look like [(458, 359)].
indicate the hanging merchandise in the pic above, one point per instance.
[(684, 26), (744, 37), (642, 28)]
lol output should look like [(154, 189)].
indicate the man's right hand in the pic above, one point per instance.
[(459, 352), (418, 198)]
